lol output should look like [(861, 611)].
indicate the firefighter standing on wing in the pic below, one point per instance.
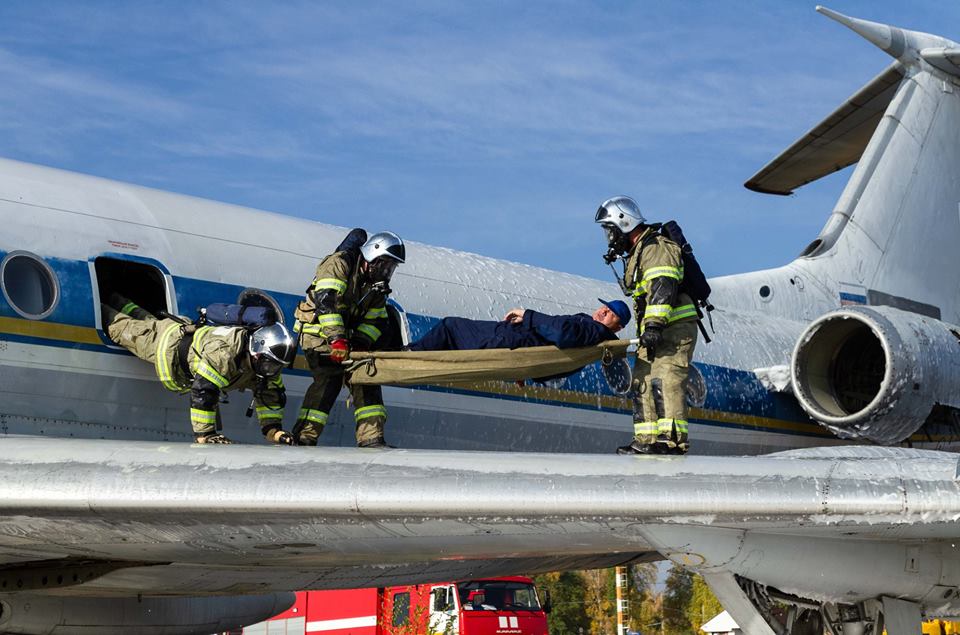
[(346, 309), (667, 324), (207, 361)]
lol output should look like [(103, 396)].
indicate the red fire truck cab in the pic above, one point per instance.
[(494, 606)]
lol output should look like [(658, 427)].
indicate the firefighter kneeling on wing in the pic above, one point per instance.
[(207, 361)]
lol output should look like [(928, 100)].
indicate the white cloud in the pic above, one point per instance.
[(45, 80)]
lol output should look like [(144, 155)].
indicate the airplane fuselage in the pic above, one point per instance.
[(63, 377)]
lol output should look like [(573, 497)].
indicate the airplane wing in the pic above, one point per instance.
[(179, 520), (834, 143)]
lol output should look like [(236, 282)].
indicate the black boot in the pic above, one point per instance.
[(636, 447), (375, 443), (213, 438), (668, 445)]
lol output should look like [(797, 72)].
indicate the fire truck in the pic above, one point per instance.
[(494, 606)]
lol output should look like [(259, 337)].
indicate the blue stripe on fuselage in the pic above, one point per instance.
[(730, 390)]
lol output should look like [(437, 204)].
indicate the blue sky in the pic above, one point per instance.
[(492, 127)]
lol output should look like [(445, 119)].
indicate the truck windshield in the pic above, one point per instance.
[(497, 595)]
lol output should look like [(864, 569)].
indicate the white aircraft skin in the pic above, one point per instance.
[(209, 252), (213, 534)]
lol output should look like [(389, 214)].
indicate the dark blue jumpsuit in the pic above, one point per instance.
[(537, 329)]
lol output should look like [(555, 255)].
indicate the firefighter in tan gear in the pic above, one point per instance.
[(345, 309), (208, 361), (667, 323)]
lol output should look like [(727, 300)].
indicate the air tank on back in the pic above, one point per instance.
[(875, 373)]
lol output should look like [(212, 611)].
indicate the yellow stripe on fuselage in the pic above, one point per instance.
[(754, 421), (87, 335), (50, 330), (620, 403)]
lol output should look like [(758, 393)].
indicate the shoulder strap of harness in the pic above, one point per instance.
[(656, 232), (183, 349)]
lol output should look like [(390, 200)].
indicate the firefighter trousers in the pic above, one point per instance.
[(665, 377), (328, 378), (137, 331)]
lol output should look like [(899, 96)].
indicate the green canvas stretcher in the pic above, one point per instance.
[(410, 368)]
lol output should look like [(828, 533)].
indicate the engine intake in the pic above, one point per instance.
[(875, 373)]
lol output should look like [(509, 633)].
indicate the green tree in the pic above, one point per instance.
[(703, 605), (601, 600), (643, 577), (645, 601), (677, 595), (567, 593)]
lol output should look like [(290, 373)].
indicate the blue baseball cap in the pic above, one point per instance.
[(620, 308)]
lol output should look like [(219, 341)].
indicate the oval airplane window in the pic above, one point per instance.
[(29, 285), (256, 297)]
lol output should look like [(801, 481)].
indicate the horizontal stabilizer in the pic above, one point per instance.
[(834, 143), (902, 44), (945, 59)]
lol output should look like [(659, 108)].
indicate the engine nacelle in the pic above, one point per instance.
[(876, 372), (37, 614)]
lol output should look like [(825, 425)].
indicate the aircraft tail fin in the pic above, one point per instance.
[(894, 235)]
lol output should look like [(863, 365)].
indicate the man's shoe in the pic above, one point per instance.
[(375, 443), (636, 447)]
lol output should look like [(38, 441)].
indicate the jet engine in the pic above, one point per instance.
[(875, 373), (38, 614)]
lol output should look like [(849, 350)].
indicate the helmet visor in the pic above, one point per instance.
[(265, 366), (602, 215), (382, 269)]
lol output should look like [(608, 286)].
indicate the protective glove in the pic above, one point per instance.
[(359, 344), (651, 338), (339, 350), (279, 437)]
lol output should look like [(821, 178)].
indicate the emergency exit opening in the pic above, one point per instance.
[(141, 283)]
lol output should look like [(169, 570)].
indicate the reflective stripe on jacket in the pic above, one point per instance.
[(340, 304), (654, 273), (219, 361)]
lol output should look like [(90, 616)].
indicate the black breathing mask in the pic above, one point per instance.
[(266, 367), (381, 269), (618, 243)]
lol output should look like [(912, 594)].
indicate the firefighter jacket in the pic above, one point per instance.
[(218, 361), (340, 304), (654, 273)]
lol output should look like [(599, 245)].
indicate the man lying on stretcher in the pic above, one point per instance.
[(523, 328)]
